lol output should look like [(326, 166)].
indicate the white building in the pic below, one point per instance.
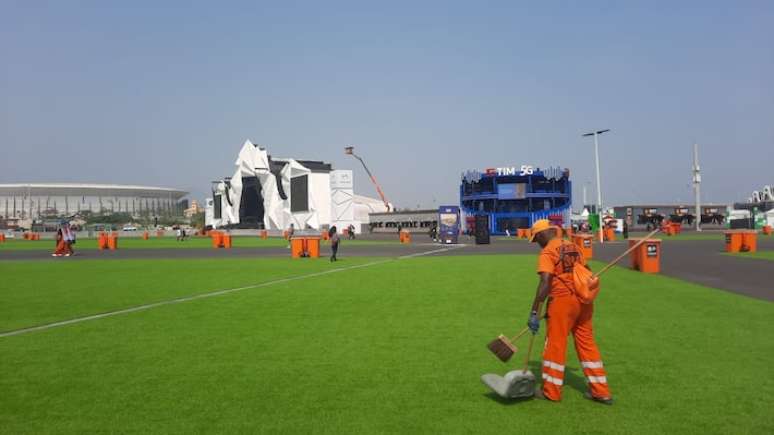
[(33, 200), (272, 193)]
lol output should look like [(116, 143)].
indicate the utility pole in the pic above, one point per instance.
[(697, 185), (599, 184)]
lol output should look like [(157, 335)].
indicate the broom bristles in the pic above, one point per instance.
[(502, 348)]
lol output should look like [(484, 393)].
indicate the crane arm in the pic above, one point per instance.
[(373, 180)]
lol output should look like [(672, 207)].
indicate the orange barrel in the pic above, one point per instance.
[(102, 242), (405, 237), (264, 234), (400, 236), (584, 243), (112, 242), (609, 235), (520, 233), (296, 247), (733, 241), (145, 235), (226, 238), (649, 257), (749, 241), (2, 237), (313, 246), (767, 230), (217, 239)]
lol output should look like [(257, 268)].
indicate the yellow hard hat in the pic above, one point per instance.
[(538, 227)]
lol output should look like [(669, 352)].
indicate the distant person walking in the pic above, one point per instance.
[(69, 237), (333, 234), (351, 232), (291, 231)]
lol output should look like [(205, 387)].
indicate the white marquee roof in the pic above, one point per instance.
[(88, 189)]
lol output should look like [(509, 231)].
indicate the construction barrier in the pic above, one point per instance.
[(749, 241), (112, 241), (647, 257), (226, 238), (609, 234), (584, 243), (2, 238), (733, 241), (217, 239), (313, 247), (102, 241), (305, 246), (404, 237)]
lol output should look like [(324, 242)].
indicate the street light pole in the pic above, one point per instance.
[(599, 183)]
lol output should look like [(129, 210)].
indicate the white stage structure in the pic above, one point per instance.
[(273, 193)]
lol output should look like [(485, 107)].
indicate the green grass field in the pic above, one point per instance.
[(170, 242), (397, 346)]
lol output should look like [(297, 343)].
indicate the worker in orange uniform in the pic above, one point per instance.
[(565, 314)]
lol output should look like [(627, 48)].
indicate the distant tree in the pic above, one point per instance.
[(197, 220)]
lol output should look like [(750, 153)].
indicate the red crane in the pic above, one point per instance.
[(350, 151)]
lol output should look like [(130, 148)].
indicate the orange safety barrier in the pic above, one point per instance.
[(767, 230), (405, 237), (217, 239), (749, 241), (264, 234), (584, 243), (102, 241), (226, 240), (647, 257), (733, 241), (297, 247), (313, 247), (2, 237), (112, 242), (520, 233), (609, 235)]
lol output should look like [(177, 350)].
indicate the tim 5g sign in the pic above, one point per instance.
[(524, 170)]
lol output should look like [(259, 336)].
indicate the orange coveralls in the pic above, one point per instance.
[(566, 314)]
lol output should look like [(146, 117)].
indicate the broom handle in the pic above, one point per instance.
[(522, 332), (531, 341), (627, 252)]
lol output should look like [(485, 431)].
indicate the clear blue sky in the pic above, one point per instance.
[(143, 93)]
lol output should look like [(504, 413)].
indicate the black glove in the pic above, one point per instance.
[(534, 323)]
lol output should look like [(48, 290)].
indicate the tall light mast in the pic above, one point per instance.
[(697, 185)]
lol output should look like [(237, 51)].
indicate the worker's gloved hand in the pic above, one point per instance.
[(533, 323)]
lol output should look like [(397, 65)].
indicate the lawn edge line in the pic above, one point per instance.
[(181, 300)]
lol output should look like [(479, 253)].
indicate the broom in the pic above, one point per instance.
[(503, 348)]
